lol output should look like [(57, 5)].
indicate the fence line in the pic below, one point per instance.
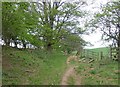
[(93, 55)]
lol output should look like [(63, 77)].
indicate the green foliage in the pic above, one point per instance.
[(71, 80), (40, 24), (72, 43), (108, 21), (17, 22), (92, 72)]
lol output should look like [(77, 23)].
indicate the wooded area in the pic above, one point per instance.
[(42, 24)]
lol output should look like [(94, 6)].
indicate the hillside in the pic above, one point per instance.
[(105, 50), (34, 67), (100, 71)]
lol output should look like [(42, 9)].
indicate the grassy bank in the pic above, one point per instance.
[(32, 67), (99, 72)]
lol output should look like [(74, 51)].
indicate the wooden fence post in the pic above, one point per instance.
[(101, 55), (110, 52)]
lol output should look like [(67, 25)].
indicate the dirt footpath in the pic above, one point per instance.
[(70, 72)]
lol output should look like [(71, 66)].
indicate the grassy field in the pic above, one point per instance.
[(99, 72), (105, 50), (34, 67)]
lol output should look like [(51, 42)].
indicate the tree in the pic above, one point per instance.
[(17, 23), (72, 42), (55, 18), (43, 24), (108, 20)]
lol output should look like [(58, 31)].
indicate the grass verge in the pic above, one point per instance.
[(103, 72)]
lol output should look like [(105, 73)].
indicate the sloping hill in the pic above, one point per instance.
[(104, 72), (31, 67)]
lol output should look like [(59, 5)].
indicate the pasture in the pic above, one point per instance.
[(105, 50)]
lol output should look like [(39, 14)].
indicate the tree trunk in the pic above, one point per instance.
[(24, 44), (49, 47), (15, 42), (7, 41), (119, 46)]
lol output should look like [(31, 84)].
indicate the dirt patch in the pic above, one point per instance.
[(66, 75)]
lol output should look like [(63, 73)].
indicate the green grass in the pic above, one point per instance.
[(99, 72), (71, 80), (105, 50), (36, 67), (32, 67)]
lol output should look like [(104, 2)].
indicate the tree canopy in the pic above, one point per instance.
[(108, 21), (42, 24)]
